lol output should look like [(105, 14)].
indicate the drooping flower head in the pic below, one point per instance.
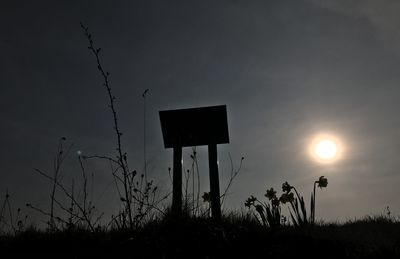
[(322, 182), (206, 197), (250, 201), (270, 194), (286, 187), (287, 197)]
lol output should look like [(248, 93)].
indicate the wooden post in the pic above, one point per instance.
[(214, 182), (177, 182)]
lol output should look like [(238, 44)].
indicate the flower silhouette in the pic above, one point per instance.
[(286, 187), (206, 197), (322, 182), (271, 194), (287, 197), (250, 201)]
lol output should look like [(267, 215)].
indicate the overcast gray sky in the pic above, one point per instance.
[(287, 70)]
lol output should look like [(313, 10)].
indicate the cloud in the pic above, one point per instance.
[(383, 16)]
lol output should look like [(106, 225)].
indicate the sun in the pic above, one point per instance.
[(326, 148)]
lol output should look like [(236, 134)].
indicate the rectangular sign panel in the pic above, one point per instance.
[(195, 126)]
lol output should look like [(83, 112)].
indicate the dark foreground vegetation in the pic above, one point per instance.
[(236, 236)]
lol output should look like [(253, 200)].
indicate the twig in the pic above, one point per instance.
[(144, 95), (232, 176), (84, 183), (112, 98), (69, 196), (102, 157)]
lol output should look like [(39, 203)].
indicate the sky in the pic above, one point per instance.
[(287, 71)]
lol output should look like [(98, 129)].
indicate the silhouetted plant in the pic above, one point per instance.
[(144, 95), (298, 212), (121, 159), (139, 196), (192, 204), (9, 221), (207, 200), (58, 160), (195, 169), (269, 212), (233, 174), (80, 213)]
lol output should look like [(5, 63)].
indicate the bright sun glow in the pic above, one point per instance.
[(326, 148)]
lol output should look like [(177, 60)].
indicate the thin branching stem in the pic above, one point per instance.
[(233, 175), (121, 154), (84, 214)]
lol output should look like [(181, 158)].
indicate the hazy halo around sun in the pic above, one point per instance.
[(325, 148)]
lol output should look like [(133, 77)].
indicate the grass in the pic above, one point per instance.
[(239, 235)]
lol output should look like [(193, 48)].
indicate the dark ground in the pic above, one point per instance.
[(201, 238)]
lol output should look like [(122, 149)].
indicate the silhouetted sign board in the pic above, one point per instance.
[(195, 126)]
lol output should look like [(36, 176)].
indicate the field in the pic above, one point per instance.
[(236, 236)]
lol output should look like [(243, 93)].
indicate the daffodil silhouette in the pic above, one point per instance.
[(322, 182), (270, 194), (286, 187), (270, 211)]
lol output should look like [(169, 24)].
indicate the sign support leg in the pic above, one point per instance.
[(177, 182), (214, 182)]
